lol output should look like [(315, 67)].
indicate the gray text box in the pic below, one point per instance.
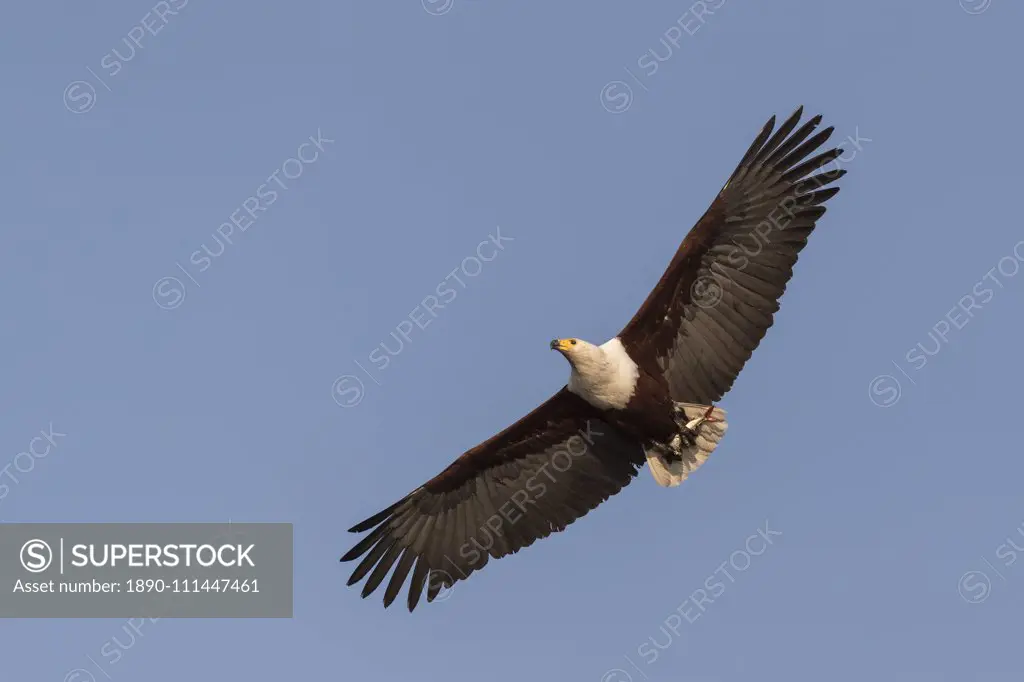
[(146, 570)]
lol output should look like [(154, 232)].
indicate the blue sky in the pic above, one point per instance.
[(890, 485)]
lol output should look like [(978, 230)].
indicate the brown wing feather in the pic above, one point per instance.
[(532, 479), (718, 296)]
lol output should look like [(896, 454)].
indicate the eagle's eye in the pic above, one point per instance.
[(572, 342)]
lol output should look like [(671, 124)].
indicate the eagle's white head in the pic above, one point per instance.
[(605, 375), (582, 355)]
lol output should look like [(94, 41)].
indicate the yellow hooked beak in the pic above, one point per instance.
[(562, 345)]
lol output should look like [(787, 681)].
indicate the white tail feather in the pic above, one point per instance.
[(709, 434)]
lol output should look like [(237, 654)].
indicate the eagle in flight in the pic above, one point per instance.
[(647, 395)]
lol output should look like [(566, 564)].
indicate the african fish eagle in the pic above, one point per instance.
[(648, 394)]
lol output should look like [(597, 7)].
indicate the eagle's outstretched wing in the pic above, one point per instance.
[(532, 479), (717, 299)]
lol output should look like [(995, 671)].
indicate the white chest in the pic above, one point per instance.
[(608, 380)]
